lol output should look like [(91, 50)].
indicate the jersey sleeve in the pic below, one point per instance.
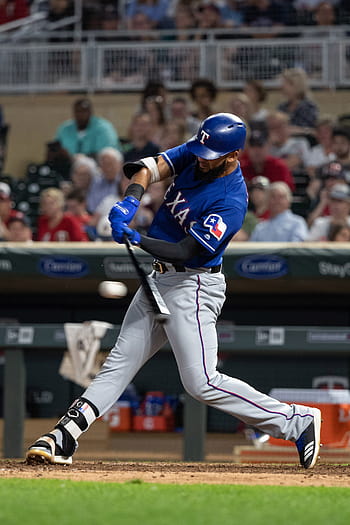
[(217, 227), (178, 158)]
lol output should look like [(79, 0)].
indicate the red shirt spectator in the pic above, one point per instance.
[(11, 10), (68, 229), (54, 224), (6, 211), (256, 161)]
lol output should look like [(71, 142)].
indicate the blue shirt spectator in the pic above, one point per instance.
[(283, 225), (108, 182), (155, 11)]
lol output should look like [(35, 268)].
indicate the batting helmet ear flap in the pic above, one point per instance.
[(218, 135)]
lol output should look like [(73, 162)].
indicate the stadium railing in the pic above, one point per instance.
[(94, 63)]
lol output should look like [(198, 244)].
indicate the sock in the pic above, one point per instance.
[(80, 415)]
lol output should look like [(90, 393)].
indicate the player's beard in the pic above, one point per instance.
[(210, 175)]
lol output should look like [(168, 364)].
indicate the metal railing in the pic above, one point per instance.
[(94, 66)]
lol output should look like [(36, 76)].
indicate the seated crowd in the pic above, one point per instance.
[(296, 164), (114, 15)]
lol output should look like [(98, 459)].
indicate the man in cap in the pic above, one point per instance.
[(19, 230), (320, 187), (339, 210), (6, 210), (257, 161)]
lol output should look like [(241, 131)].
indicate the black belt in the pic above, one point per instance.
[(162, 268)]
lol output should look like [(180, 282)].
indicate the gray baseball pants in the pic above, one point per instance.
[(195, 300)]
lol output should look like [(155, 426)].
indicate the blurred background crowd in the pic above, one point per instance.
[(296, 161), (182, 14)]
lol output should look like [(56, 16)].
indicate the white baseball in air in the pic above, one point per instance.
[(112, 289)]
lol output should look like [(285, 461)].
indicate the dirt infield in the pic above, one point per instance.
[(183, 473)]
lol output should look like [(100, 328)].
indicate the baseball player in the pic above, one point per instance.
[(203, 208)]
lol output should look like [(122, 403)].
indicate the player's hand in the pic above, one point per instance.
[(133, 235), (123, 211), (121, 229)]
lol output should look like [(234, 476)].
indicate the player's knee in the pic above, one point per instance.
[(203, 388), (198, 389)]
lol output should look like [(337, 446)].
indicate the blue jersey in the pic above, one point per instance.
[(211, 212)]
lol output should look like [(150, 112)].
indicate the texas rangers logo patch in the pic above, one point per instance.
[(204, 136), (216, 225)]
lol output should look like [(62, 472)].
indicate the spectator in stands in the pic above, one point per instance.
[(339, 207), (155, 10), (84, 171), (324, 15), (154, 107), (58, 159), (203, 93), (60, 9), (54, 224), (327, 176), (155, 89), (341, 149), (86, 133), (231, 13), (283, 225), (208, 17), (339, 232), (139, 143), (180, 113), (294, 151), (302, 111), (76, 205), (322, 152), (249, 223), (183, 59), (184, 20), (7, 212), (266, 13), (240, 105), (11, 10), (109, 18), (256, 160), (19, 230), (108, 183), (259, 197), (174, 135), (257, 94)]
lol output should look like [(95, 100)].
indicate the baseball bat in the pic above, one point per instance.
[(156, 301)]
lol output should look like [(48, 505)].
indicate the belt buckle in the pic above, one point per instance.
[(158, 267)]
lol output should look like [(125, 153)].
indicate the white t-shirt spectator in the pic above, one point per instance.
[(293, 146), (318, 157), (320, 228)]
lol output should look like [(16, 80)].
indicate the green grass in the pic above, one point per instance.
[(56, 502)]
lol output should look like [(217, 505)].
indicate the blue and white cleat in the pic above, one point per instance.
[(308, 444)]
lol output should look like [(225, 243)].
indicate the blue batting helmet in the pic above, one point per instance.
[(218, 135)]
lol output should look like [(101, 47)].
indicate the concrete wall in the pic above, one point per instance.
[(34, 118)]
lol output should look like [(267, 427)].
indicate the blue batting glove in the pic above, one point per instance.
[(121, 229), (133, 235), (123, 211), (118, 232)]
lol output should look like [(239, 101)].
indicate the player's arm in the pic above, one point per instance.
[(145, 172), (141, 174), (173, 252)]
